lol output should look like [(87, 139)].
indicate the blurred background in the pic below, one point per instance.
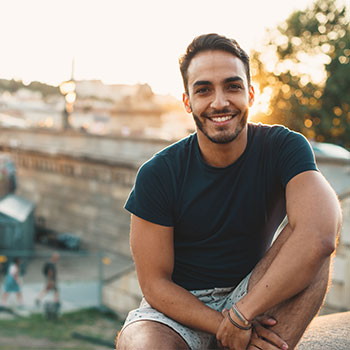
[(89, 90)]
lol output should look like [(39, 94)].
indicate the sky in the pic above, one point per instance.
[(123, 42)]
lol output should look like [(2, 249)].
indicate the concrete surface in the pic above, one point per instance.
[(74, 296), (329, 332)]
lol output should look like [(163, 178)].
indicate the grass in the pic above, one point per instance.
[(89, 322)]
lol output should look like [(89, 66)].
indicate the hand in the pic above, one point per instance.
[(231, 337), (263, 338)]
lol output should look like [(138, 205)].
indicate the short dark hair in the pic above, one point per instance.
[(207, 42)]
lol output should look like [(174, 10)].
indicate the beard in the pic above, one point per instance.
[(224, 135)]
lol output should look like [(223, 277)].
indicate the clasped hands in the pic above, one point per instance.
[(258, 337)]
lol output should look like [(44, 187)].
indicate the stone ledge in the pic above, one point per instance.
[(329, 332)]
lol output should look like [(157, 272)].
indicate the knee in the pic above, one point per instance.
[(145, 335), (135, 336)]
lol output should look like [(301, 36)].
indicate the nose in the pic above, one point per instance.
[(220, 100)]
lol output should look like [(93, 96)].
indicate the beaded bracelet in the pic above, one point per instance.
[(245, 328)]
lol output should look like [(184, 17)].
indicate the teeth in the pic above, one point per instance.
[(221, 119)]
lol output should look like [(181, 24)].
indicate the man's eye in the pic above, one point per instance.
[(234, 87), (202, 90)]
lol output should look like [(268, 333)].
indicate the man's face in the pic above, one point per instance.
[(218, 95)]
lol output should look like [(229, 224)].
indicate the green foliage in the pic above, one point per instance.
[(14, 85), (10, 85), (308, 42), (89, 322)]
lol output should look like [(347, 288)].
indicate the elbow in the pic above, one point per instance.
[(328, 239), (327, 246), (152, 290), (330, 233), (148, 291), (149, 295)]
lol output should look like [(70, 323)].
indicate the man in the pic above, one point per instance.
[(204, 212), (50, 273)]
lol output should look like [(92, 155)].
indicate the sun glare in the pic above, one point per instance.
[(261, 103)]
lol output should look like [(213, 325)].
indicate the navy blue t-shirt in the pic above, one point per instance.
[(223, 218)]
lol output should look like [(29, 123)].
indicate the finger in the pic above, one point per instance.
[(224, 312), (271, 337), (266, 320), (263, 344), (221, 345), (253, 347)]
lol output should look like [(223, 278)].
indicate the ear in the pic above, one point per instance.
[(251, 95), (186, 103)]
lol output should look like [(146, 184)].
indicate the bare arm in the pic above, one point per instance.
[(153, 251), (315, 217)]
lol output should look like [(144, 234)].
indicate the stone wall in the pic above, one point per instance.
[(79, 184), (78, 196), (338, 297), (337, 172), (123, 294)]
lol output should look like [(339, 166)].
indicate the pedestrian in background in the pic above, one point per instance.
[(12, 282), (50, 273)]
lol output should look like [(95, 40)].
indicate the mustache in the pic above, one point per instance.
[(215, 112)]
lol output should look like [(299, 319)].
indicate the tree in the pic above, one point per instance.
[(305, 67), (14, 85)]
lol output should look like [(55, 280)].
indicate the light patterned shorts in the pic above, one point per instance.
[(216, 298)]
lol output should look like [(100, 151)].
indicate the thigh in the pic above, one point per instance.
[(145, 335), (195, 339)]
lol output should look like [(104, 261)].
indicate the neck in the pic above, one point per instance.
[(222, 155)]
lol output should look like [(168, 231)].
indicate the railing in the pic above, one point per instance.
[(81, 275)]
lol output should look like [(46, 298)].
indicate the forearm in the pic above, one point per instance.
[(292, 270), (180, 305)]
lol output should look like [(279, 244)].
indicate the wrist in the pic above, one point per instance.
[(243, 319), (237, 321), (217, 320), (245, 309)]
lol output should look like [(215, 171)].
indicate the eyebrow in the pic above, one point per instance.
[(201, 82), (207, 82), (232, 79)]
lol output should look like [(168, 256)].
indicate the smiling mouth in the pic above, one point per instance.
[(223, 118)]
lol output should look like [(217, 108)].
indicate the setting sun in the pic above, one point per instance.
[(122, 42), (261, 103)]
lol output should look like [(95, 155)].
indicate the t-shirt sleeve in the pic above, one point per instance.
[(152, 195), (295, 156)]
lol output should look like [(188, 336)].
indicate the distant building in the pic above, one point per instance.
[(128, 110), (113, 92), (28, 109), (117, 109)]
